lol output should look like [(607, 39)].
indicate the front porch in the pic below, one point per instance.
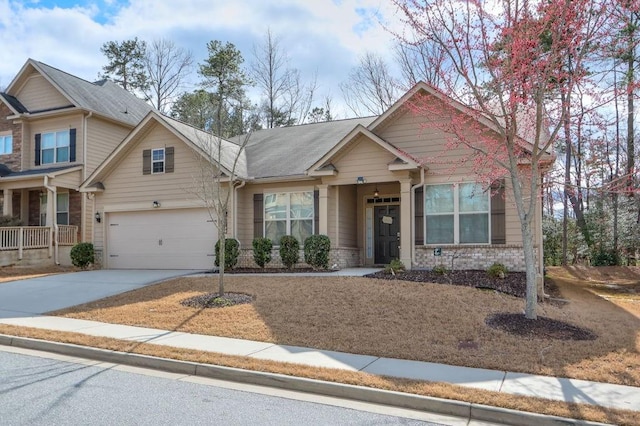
[(37, 245)]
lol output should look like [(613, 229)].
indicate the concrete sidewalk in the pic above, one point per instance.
[(561, 389)]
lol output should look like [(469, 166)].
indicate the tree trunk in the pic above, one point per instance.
[(221, 259), (531, 274)]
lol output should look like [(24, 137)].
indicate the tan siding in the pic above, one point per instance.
[(102, 139), (38, 94), (348, 216), (332, 215), (68, 180), (73, 121), (363, 158), (245, 204)]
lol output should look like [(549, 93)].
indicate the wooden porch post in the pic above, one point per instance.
[(7, 206), (323, 205)]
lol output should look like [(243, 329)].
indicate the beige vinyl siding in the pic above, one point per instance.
[(73, 121), (332, 214), (347, 216), (245, 204), (38, 94), (363, 158), (89, 219), (71, 180), (102, 138)]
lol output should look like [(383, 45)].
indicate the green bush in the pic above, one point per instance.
[(497, 270), (316, 251), (289, 251), (82, 255), (9, 220), (231, 253), (440, 270), (262, 251), (394, 267), (604, 257)]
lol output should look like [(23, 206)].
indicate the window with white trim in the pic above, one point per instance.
[(288, 213), (62, 208), (157, 160), (6, 144), (457, 214), (54, 147)]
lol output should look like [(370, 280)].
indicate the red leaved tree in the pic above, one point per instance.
[(511, 68)]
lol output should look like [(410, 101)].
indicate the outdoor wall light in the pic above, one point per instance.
[(376, 193), (360, 180), (156, 204), (98, 217)]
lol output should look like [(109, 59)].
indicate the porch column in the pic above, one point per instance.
[(7, 206), (323, 206), (405, 222)]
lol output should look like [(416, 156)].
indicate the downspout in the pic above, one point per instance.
[(235, 208), (413, 215), (54, 217)]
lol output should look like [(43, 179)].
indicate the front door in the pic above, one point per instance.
[(387, 234)]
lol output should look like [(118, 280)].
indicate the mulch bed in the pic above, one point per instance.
[(542, 327), (514, 283), (271, 270), (213, 300)]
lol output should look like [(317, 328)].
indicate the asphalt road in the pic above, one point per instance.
[(50, 391)]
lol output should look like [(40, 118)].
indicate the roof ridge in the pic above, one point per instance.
[(66, 73)]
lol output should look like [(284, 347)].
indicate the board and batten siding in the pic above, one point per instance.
[(102, 138), (72, 121), (38, 94), (430, 145), (127, 189)]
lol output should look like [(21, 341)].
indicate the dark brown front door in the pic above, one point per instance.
[(387, 234)]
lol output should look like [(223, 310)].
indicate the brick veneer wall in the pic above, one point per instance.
[(13, 160), (471, 257), (34, 208)]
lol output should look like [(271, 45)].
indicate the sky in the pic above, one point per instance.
[(323, 36)]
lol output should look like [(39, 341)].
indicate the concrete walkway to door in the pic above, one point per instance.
[(39, 295)]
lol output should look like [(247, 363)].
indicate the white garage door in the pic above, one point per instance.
[(161, 239)]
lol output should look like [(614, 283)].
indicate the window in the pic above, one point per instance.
[(456, 214), (62, 209), (55, 147), (6, 144), (157, 160), (288, 213)]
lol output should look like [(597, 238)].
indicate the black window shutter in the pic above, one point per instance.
[(316, 211), (37, 153), (72, 145), (498, 224), (168, 159), (419, 217), (258, 212), (146, 162)]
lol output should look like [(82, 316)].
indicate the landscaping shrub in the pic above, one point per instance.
[(289, 251), (440, 270), (82, 255), (497, 270), (394, 267), (9, 220), (262, 251), (231, 253), (316, 251)]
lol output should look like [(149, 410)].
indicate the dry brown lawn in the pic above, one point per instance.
[(13, 273), (427, 322)]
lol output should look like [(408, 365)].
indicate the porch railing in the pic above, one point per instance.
[(34, 237)]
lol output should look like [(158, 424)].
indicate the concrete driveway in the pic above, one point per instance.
[(40, 295)]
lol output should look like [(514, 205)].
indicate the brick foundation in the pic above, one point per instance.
[(471, 257)]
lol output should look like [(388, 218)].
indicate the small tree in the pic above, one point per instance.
[(289, 251), (262, 251)]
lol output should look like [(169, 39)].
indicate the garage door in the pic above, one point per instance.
[(161, 239)]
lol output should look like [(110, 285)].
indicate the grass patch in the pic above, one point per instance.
[(396, 319), (439, 390)]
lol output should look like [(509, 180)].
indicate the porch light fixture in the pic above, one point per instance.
[(156, 204), (98, 217), (360, 180), (376, 193)]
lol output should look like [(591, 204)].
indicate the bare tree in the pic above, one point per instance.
[(420, 61), (286, 99), (167, 67), (370, 88)]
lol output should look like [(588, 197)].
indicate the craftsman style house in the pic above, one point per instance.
[(55, 129)]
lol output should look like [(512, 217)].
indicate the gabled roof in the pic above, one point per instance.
[(202, 142), (102, 97), (402, 160), (290, 151), (13, 103)]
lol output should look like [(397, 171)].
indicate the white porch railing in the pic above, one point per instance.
[(34, 237)]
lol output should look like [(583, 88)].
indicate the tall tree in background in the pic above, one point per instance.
[(126, 65), (166, 66), (420, 61), (370, 88), (506, 59), (285, 98)]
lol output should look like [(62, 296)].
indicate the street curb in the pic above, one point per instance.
[(466, 410)]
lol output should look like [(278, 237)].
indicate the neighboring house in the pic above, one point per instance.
[(367, 183), (55, 129)]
